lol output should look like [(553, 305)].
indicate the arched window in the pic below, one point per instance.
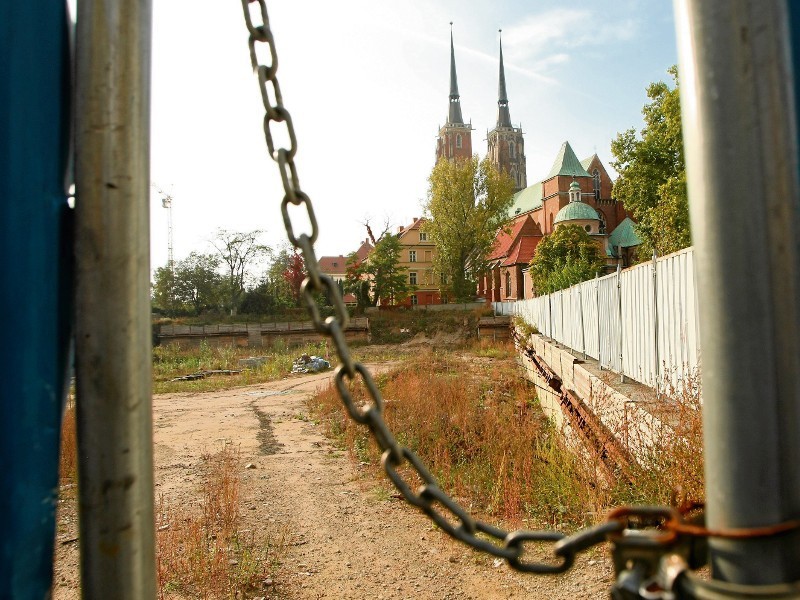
[(508, 284), (458, 140), (596, 176), (511, 149)]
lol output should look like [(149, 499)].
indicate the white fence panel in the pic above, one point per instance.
[(642, 322)]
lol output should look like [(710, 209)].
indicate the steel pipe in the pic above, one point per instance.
[(740, 135), (113, 340)]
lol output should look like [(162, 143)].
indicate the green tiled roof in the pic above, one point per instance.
[(624, 235), (567, 164), (526, 200), (575, 211)]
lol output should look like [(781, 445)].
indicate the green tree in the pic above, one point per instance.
[(163, 291), (466, 206), (378, 278), (652, 173), (198, 283), (239, 253), (565, 257)]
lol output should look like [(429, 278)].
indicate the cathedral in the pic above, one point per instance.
[(573, 192)]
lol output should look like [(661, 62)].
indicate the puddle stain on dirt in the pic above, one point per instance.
[(267, 443)]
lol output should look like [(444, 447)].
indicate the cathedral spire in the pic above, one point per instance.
[(454, 113), (503, 115)]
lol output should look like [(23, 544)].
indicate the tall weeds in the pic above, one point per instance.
[(202, 550), (477, 426)]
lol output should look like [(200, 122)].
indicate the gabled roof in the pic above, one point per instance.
[(504, 241), (588, 161), (414, 225), (567, 163), (523, 252), (332, 265), (364, 249), (624, 235), (526, 200)]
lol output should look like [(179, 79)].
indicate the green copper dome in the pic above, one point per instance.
[(576, 211), (574, 186)]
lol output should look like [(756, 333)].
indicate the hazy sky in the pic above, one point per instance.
[(367, 84)]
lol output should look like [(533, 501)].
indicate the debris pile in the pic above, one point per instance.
[(310, 364)]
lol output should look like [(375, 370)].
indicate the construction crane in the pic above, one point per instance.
[(166, 202)]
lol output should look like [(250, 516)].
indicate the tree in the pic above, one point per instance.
[(380, 277), (565, 257), (466, 206), (652, 173), (163, 293), (238, 252), (198, 284), (294, 274)]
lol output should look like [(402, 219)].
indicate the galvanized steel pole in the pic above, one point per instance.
[(742, 164), (113, 336)]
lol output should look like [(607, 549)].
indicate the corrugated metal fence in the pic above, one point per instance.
[(641, 322)]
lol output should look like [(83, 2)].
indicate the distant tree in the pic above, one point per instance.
[(239, 253), (356, 282), (565, 257), (378, 278), (466, 206), (652, 173), (294, 274), (198, 283), (163, 291)]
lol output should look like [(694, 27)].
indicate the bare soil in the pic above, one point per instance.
[(347, 537)]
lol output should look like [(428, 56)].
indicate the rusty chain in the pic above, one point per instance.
[(655, 527)]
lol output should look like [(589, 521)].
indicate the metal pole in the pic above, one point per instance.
[(740, 136), (113, 304)]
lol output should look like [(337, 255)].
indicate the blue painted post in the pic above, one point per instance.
[(35, 244)]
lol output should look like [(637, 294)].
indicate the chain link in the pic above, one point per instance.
[(450, 516)]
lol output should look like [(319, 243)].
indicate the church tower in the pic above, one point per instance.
[(455, 137), (506, 147)]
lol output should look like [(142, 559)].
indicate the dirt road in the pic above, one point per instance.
[(348, 538)]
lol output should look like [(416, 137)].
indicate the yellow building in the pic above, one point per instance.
[(416, 257)]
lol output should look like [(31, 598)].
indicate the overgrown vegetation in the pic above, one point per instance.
[(202, 550), (477, 426), (392, 327), (564, 258), (172, 361)]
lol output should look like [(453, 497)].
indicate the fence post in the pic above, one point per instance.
[(599, 348), (550, 313), (656, 378), (619, 305), (583, 331), (740, 133), (113, 355)]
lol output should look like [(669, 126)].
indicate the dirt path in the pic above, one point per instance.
[(347, 537)]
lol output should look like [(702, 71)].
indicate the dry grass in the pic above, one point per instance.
[(172, 361), (202, 550), (477, 426)]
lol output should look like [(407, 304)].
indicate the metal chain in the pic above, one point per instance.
[(429, 497)]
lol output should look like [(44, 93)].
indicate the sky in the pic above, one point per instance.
[(367, 85)]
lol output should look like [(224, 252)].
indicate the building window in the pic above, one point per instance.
[(423, 237), (588, 228), (412, 278), (442, 278), (414, 299), (508, 284), (412, 256), (602, 221), (458, 140), (511, 149), (596, 177)]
